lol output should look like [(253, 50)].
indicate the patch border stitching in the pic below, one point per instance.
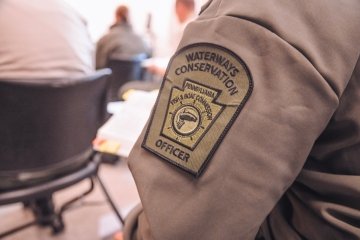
[(226, 128)]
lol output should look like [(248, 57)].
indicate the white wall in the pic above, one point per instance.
[(99, 14)]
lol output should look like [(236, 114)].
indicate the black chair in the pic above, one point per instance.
[(46, 143), (123, 71)]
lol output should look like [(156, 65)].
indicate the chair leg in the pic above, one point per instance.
[(69, 203), (45, 214), (43, 209), (16, 229), (116, 211)]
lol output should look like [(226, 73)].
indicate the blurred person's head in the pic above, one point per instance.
[(184, 9), (122, 14)]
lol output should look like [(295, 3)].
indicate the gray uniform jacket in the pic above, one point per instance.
[(120, 43), (288, 165)]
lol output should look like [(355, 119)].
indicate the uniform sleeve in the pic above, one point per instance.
[(293, 99)]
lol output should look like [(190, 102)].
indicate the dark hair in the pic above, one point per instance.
[(122, 12), (190, 4)]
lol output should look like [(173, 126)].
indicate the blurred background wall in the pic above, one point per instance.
[(99, 14)]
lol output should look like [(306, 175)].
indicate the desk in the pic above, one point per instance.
[(119, 134)]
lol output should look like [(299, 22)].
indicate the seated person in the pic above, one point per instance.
[(42, 40), (184, 13), (121, 42)]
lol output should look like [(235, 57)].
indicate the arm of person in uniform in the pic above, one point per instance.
[(220, 176)]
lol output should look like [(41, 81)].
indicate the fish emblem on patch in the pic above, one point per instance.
[(204, 90)]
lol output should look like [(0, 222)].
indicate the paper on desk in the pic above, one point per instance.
[(125, 126)]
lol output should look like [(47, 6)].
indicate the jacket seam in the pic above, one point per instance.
[(268, 28), (299, 50)]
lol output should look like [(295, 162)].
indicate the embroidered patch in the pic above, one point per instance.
[(203, 91)]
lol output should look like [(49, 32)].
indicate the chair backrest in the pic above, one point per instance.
[(47, 129), (123, 71)]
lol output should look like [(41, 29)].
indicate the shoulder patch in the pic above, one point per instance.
[(204, 89)]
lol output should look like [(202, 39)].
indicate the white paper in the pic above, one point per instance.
[(126, 125)]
